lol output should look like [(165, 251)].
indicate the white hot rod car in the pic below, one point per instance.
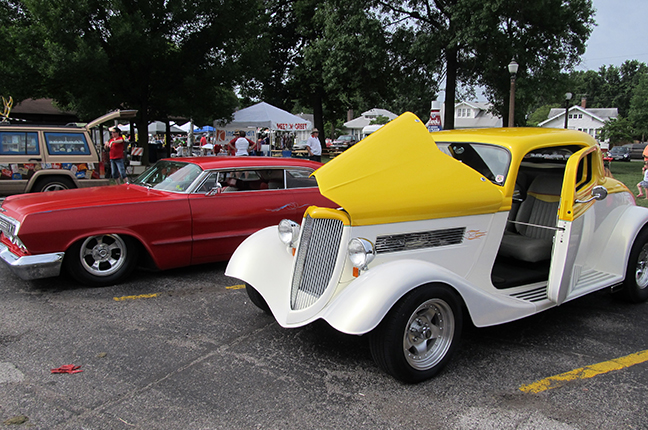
[(490, 225)]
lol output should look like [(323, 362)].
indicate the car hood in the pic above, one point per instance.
[(18, 206), (398, 174)]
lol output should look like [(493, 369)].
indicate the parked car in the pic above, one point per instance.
[(36, 158), (636, 150), (619, 153), (179, 212), (485, 225), (343, 142)]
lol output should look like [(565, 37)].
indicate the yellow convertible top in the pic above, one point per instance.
[(398, 174)]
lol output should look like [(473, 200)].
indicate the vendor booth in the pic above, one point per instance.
[(263, 116)]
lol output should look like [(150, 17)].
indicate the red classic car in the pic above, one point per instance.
[(179, 212)]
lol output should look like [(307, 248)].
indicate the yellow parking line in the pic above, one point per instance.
[(149, 296), (141, 296), (586, 372)]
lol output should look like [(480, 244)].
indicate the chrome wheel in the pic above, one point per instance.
[(103, 255), (55, 186), (419, 334), (641, 269), (428, 334)]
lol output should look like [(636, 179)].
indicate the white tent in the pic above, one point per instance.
[(158, 127), (264, 115), (260, 116)]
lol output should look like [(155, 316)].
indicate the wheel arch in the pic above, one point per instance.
[(144, 253), (48, 174), (363, 304)]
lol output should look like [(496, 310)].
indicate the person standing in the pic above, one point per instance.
[(314, 146), (116, 147), (243, 145)]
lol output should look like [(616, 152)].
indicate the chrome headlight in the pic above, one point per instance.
[(288, 231), (361, 252)]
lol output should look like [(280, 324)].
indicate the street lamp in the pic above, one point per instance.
[(568, 97), (513, 68)]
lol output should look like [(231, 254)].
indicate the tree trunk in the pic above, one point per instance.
[(142, 134), (318, 116), (451, 88)]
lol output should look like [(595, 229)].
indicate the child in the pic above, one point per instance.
[(643, 184)]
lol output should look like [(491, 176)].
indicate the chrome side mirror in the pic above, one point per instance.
[(218, 188), (599, 192)]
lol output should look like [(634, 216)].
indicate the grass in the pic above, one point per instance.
[(630, 174)]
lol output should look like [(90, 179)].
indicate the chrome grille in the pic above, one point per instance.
[(316, 257), (8, 226), (419, 240)]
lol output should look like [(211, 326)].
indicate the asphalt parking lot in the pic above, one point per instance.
[(185, 349)]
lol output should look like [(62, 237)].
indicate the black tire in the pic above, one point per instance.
[(418, 336), (54, 183), (635, 285), (257, 298), (101, 260)]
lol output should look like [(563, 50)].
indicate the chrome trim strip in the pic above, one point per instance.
[(32, 266), (419, 240)]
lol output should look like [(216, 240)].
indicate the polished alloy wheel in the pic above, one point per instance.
[(103, 255), (428, 334), (641, 270)]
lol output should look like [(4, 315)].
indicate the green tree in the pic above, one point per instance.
[(617, 131), (331, 56), (478, 38), (380, 119), (611, 86), (165, 59), (638, 115), (540, 114)]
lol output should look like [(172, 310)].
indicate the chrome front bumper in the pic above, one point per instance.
[(32, 266)]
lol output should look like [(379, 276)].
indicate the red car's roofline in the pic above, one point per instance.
[(215, 162)]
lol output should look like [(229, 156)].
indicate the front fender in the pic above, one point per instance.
[(361, 306), (264, 262)]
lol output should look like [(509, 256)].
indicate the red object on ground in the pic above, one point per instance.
[(67, 368)]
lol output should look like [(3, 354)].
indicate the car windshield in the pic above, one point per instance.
[(489, 160), (345, 138), (169, 175), (620, 150)]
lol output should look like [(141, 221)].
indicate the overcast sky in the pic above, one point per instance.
[(621, 34)]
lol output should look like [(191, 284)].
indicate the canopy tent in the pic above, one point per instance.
[(264, 115), (158, 127), (184, 127), (205, 129), (261, 116)]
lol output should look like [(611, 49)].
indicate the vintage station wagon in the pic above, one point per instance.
[(434, 229)]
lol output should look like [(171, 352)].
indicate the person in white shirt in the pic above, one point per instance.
[(242, 145), (314, 146)]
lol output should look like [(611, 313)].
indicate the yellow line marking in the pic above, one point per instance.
[(586, 372), (235, 287), (141, 296)]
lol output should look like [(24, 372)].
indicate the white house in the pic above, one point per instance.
[(475, 115), (356, 125), (471, 115), (580, 118)]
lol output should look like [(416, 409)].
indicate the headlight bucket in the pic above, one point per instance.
[(288, 231), (361, 252)]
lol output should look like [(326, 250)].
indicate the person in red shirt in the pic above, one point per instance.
[(116, 147)]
